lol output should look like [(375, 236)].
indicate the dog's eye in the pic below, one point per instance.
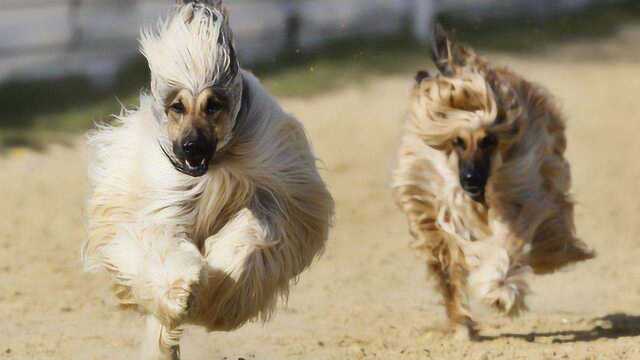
[(488, 142), (212, 107), (177, 108), (458, 142)]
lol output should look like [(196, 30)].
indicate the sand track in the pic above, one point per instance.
[(367, 297)]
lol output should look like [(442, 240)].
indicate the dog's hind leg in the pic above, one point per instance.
[(554, 243), (160, 342)]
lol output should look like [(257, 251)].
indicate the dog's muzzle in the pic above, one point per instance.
[(194, 153)]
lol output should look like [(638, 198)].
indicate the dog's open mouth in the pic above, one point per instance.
[(191, 168), (196, 170), (475, 192)]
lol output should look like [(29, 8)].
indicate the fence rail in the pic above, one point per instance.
[(51, 38), (94, 37)]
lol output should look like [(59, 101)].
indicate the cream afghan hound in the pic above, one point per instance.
[(206, 201), (484, 183)]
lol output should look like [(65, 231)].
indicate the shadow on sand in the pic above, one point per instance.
[(612, 326)]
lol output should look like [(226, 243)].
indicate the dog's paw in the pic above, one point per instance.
[(465, 331), (177, 301), (508, 300), (460, 332)]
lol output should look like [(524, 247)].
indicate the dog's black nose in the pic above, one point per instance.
[(194, 148), (472, 181), (197, 150), (469, 176)]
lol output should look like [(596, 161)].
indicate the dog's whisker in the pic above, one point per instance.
[(174, 162)]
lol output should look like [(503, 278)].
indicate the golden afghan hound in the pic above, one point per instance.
[(205, 201), (482, 178)]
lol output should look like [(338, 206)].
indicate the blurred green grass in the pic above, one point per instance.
[(40, 112), (49, 110), (534, 35)]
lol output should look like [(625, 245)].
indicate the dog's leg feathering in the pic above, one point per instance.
[(448, 266), (254, 257), (155, 269), (160, 342), (497, 271), (246, 271), (445, 260)]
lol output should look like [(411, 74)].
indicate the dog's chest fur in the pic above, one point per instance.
[(224, 194), (202, 206)]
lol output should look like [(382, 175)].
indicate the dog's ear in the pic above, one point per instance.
[(441, 50), (421, 75), (227, 39), (507, 98), (447, 55), (510, 108)]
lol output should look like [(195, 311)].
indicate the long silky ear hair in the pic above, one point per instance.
[(508, 125), (227, 36), (452, 58), (441, 51)]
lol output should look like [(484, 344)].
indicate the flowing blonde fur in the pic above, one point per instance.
[(216, 250), (485, 248)]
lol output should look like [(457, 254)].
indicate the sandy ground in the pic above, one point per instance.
[(367, 297)]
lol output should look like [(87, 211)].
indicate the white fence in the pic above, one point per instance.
[(52, 38), (40, 38)]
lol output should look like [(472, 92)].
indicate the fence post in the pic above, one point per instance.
[(75, 38), (423, 12), (293, 23)]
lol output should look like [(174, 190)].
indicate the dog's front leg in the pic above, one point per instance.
[(252, 259), (502, 263), (244, 272), (447, 263), (445, 259), (160, 342), (156, 269)]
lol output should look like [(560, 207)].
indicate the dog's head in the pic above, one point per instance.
[(465, 111), (195, 81)]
